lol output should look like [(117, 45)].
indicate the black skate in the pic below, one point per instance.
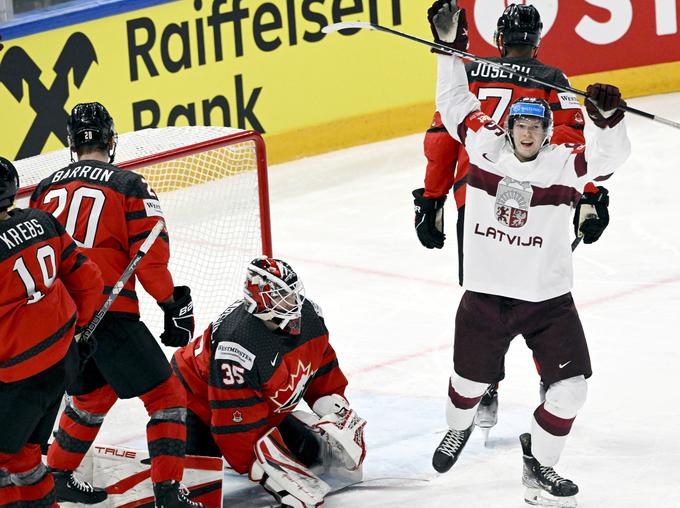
[(70, 489), (544, 487), (446, 454), (170, 495)]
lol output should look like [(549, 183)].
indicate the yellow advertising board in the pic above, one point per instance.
[(266, 65), (253, 64)]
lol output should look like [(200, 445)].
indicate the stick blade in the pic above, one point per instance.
[(336, 27)]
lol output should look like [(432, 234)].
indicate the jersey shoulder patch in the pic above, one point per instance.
[(235, 352)]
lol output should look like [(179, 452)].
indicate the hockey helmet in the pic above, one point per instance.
[(9, 183), (519, 25), (274, 293), (90, 125), (530, 107)]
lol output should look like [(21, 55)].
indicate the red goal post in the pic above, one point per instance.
[(213, 187)]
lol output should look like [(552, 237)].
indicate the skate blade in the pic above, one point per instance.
[(485, 435), (539, 497)]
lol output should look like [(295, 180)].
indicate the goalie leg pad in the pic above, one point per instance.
[(289, 481)]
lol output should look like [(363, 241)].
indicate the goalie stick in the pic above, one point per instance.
[(336, 27), (118, 286)]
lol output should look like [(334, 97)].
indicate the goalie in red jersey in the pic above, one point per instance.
[(245, 376)]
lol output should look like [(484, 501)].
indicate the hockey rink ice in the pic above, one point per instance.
[(344, 221)]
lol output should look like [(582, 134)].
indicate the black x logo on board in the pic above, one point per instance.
[(17, 66)]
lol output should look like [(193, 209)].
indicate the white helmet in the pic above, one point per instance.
[(274, 293)]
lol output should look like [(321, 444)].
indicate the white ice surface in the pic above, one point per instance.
[(345, 222)]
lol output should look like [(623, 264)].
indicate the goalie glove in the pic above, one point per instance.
[(290, 482), (592, 215), (342, 428), (449, 25), (429, 221), (179, 318)]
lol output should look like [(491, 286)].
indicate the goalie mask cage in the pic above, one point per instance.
[(212, 186)]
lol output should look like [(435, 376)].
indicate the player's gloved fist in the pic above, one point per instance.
[(429, 221), (449, 25), (601, 105), (592, 215), (179, 318)]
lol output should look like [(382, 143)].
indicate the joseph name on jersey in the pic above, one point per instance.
[(518, 214), (47, 288), (110, 211), (243, 378)]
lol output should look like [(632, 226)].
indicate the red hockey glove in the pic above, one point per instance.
[(601, 105), (449, 25)]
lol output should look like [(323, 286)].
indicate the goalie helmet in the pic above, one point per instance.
[(9, 183), (530, 107), (519, 25), (90, 125), (274, 293)]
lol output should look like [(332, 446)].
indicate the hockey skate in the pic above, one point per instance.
[(487, 411), (544, 487), (446, 454), (70, 489), (170, 494)]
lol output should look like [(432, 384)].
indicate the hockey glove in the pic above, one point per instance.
[(343, 430), (429, 220), (592, 215), (289, 481), (601, 105), (179, 318), (449, 25)]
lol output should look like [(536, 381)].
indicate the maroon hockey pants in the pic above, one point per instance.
[(165, 433)]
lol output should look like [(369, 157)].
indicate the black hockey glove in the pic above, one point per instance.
[(592, 215), (449, 25), (429, 219), (179, 318), (601, 105)]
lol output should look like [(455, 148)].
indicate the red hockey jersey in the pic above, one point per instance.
[(110, 211), (242, 379), (47, 286), (447, 161)]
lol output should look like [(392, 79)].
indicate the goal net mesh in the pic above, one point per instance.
[(207, 181)]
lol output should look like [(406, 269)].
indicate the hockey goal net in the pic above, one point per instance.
[(212, 185)]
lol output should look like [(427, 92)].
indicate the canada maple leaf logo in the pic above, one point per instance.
[(286, 398)]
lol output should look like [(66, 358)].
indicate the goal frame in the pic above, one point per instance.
[(203, 146)]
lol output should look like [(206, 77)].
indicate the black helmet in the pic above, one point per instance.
[(9, 183), (519, 25), (530, 107), (90, 125)]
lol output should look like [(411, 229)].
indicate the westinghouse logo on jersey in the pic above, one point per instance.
[(235, 352), (18, 67), (513, 199)]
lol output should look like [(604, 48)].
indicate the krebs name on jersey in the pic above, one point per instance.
[(22, 232)]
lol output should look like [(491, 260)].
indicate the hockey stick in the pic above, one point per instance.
[(335, 27), (118, 286)]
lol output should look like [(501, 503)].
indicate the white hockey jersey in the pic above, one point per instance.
[(518, 214)]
